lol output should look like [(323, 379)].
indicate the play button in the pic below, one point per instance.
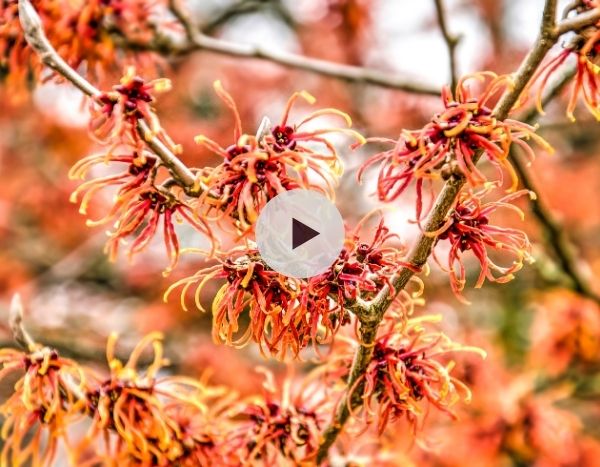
[(300, 233)]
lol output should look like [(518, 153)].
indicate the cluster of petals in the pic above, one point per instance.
[(256, 168), (468, 228), (585, 48), (452, 142), (81, 32), (284, 314), (409, 369)]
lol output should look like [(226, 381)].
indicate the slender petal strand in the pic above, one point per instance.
[(258, 168), (468, 228)]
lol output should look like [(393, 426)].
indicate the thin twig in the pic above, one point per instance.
[(197, 41), (451, 41), (15, 320), (36, 38), (579, 22), (556, 237), (425, 243)]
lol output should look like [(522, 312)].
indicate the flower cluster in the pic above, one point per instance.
[(284, 314), (585, 48), (141, 416), (115, 114), (468, 228), (81, 31), (362, 269), (256, 168), (407, 369), (282, 427), (452, 142), (275, 319), (136, 416), (45, 400), (141, 204)]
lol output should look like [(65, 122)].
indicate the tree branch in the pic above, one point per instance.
[(196, 41), (579, 22), (555, 236), (450, 40), (424, 245), (36, 38)]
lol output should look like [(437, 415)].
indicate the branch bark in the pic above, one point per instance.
[(424, 245), (451, 41), (555, 236)]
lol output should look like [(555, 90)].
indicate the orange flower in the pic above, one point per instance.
[(83, 33), (405, 371), (44, 402), (139, 213), (257, 168), (586, 84), (157, 420), (281, 427), (276, 321), (468, 228), (450, 142)]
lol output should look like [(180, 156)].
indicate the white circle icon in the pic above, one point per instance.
[(300, 233)]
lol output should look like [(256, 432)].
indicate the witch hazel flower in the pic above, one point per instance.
[(468, 228), (115, 114), (585, 49), (409, 370), (256, 168), (140, 213), (450, 143), (280, 427), (37, 414), (275, 320)]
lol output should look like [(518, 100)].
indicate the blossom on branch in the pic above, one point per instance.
[(257, 168), (44, 402), (586, 83), (468, 228), (115, 113), (83, 31), (282, 427), (409, 368), (139, 213), (452, 141), (275, 320)]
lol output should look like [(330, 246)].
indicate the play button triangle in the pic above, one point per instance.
[(301, 233)]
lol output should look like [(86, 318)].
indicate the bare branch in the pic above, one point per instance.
[(555, 236), (17, 327), (450, 40), (198, 41), (36, 38), (579, 22), (425, 243)]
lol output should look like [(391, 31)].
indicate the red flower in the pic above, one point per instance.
[(82, 32), (279, 428), (586, 82), (405, 372), (257, 168), (140, 167), (140, 211), (275, 319), (451, 140), (360, 271), (468, 228), (115, 114)]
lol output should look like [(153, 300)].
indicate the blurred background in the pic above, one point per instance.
[(536, 397)]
